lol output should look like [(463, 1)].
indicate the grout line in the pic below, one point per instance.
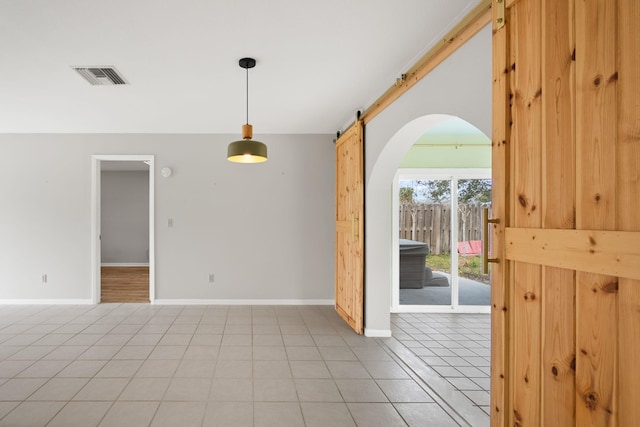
[(437, 386), (423, 384), (315, 323)]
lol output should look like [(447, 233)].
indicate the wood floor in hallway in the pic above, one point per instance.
[(124, 284)]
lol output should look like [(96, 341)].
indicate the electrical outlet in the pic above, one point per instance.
[(170, 222), (211, 277), (44, 278)]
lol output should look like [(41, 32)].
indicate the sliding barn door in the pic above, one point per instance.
[(566, 162), (349, 226)]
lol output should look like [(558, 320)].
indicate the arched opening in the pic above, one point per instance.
[(439, 190), (379, 223), (455, 347), (448, 90), (459, 87)]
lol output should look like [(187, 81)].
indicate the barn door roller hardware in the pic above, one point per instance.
[(500, 15)]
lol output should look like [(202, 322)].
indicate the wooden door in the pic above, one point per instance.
[(349, 226), (566, 162)]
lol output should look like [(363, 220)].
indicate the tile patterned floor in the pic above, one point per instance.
[(142, 365), (456, 346)]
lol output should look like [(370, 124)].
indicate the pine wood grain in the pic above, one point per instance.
[(500, 306), (526, 298), (349, 286), (628, 205), (558, 211), (614, 253), (587, 241), (124, 284), (596, 134)]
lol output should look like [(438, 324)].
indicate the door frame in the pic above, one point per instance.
[(436, 174), (96, 262)]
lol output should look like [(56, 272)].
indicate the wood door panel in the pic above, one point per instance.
[(627, 212), (500, 302), (526, 106), (558, 212), (596, 133), (628, 350), (566, 173), (615, 253), (558, 346), (349, 284)]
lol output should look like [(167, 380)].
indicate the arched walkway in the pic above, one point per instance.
[(379, 216), (460, 86), (454, 151)]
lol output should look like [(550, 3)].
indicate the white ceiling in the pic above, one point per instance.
[(318, 61)]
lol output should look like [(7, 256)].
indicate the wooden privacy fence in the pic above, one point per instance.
[(431, 224)]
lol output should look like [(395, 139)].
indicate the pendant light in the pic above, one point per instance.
[(247, 150)]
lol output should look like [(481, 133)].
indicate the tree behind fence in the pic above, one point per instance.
[(433, 225)]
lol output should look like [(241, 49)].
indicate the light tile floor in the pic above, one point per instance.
[(455, 346), (143, 365)]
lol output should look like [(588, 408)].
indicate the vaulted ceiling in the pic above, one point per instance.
[(318, 62)]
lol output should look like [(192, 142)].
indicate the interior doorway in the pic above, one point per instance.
[(123, 228)]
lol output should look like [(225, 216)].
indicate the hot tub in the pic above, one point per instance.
[(413, 256)]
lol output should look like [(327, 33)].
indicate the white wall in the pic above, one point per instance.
[(265, 231), (124, 217), (460, 86)]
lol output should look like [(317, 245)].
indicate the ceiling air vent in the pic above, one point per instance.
[(101, 76)]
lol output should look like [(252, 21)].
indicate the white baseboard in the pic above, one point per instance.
[(175, 302), (244, 302), (125, 264), (377, 333), (46, 301)]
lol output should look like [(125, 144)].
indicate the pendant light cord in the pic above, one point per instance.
[(247, 95)]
